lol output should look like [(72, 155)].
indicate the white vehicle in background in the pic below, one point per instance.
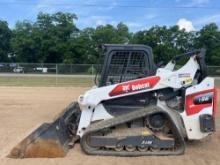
[(41, 69), (2, 67), (18, 69)]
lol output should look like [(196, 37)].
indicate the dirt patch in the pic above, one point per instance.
[(24, 108)]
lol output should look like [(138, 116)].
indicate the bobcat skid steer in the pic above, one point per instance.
[(135, 109)]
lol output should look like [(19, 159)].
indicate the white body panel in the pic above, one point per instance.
[(88, 116), (93, 110), (191, 122)]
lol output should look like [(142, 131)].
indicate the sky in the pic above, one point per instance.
[(137, 14)]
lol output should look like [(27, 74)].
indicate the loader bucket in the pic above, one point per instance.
[(50, 140)]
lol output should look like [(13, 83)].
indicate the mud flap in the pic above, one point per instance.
[(50, 140)]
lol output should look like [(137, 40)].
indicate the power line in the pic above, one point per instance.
[(107, 6)]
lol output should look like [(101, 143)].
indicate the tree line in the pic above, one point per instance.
[(54, 38)]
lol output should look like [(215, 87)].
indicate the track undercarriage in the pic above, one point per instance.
[(130, 135)]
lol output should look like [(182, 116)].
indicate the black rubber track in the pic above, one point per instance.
[(180, 148)]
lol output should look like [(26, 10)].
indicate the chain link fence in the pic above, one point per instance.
[(82, 75), (66, 69), (214, 71), (27, 74)]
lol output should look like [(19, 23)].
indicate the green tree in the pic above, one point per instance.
[(54, 38), (46, 40), (209, 37), (82, 48), (105, 34), (5, 37), (165, 42), (109, 34), (86, 45), (56, 31), (26, 42)]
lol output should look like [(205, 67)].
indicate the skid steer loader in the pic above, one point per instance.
[(135, 108)]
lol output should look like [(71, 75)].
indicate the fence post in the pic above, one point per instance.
[(56, 73), (92, 70)]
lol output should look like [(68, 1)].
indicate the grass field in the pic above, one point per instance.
[(78, 81), (41, 81), (218, 83)]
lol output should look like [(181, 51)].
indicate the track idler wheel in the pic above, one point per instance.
[(119, 148), (130, 148), (154, 149), (142, 149)]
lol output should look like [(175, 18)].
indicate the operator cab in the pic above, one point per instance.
[(120, 63)]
